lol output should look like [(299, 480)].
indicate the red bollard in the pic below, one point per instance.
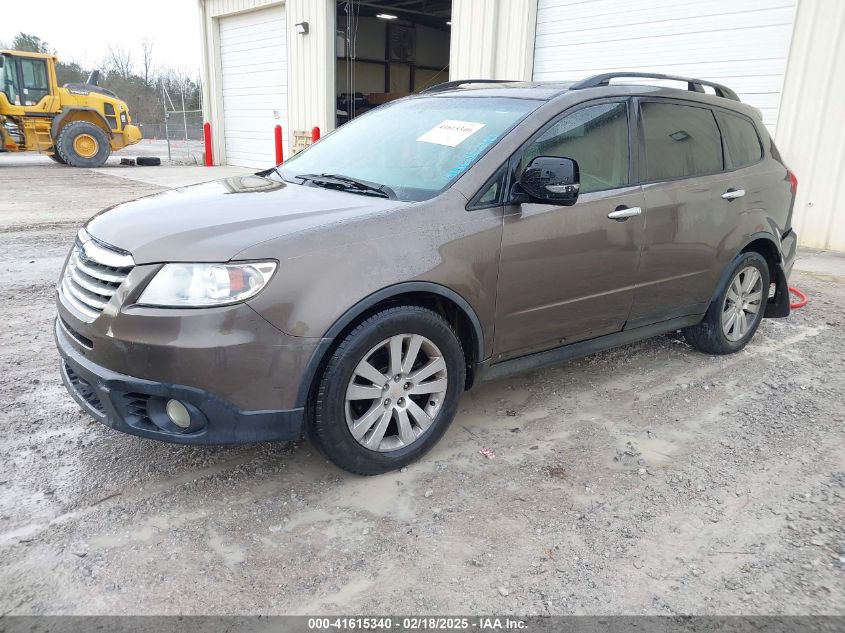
[(206, 132), (315, 134), (280, 157)]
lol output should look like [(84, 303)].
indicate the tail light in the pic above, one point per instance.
[(793, 181)]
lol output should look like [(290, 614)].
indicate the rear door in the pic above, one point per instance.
[(692, 203), (567, 272)]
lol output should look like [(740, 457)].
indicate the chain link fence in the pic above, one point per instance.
[(178, 137), (183, 134)]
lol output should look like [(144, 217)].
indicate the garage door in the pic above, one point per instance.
[(254, 77), (741, 43)]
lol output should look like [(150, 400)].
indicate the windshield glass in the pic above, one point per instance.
[(415, 147)]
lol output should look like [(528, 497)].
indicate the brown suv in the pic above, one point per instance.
[(477, 229)]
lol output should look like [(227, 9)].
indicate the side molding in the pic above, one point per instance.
[(572, 351)]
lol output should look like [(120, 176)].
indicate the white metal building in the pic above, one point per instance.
[(288, 62)]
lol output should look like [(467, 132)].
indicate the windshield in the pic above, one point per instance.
[(415, 148)]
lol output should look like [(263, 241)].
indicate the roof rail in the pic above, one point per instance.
[(448, 85), (695, 85)]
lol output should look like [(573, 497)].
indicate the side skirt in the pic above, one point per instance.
[(582, 348)]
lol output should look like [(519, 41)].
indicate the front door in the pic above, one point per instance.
[(567, 273)]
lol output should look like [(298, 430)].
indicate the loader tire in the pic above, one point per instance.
[(55, 156), (83, 144)]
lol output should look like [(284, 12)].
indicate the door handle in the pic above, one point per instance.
[(733, 194), (623, 213)]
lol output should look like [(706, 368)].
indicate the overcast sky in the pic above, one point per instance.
[(81, 30)]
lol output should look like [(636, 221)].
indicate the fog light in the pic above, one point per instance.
[(178, 414)]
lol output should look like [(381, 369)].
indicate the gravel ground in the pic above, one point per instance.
[(647, 479)]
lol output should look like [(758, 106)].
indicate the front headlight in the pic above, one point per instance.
[(205, 285)]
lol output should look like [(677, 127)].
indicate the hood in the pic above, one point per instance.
[(214, 221)]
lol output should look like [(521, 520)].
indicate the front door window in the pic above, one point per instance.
[(596, 137)]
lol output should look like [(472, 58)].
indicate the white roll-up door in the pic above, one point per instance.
[(743, 44), (253, 60)]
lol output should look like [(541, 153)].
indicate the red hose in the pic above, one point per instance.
[(802, 298)]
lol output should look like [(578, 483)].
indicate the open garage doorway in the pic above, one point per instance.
[(387, 49)]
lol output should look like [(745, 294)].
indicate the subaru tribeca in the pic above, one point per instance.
[(477, 229)]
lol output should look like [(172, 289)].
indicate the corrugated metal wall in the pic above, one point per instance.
[(311, 64), (742, 43), (811, 125), (492, 39)]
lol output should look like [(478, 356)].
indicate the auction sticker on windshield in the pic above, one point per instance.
[(451, 133)]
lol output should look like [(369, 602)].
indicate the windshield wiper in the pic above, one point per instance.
[(352, 185)]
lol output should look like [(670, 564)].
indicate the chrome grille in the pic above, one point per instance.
[(93, 274)]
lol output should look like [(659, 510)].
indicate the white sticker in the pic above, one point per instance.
[(451, 133)]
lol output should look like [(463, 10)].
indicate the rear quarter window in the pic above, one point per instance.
[(741, 140), (679, 141)]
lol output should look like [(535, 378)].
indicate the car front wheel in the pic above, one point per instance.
[(389, 390)]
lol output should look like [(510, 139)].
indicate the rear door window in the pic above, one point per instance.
[(741, 140), (679, 141)]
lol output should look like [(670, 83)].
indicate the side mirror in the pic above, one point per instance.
[(549, 180)]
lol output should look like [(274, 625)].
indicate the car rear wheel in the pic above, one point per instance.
[(389, 391), (735, 315)]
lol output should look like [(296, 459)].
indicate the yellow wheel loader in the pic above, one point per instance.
[(76, 124)]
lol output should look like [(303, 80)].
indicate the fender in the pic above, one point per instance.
[(777, 306), (365, 304), (57, 122)]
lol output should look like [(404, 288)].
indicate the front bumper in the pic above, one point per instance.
[(137, 406)]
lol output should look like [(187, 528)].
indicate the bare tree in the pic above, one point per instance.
[(119, 61), (147, 60)]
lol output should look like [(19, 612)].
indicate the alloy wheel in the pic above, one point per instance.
[(395, 392), (742, 303)]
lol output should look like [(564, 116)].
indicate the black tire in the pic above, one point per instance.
[(328, 428), (68, 153), (709, 336), (148, 161), (55, 157)]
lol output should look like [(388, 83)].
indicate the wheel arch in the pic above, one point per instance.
[(766, 245), (79, 113), (438, 298)]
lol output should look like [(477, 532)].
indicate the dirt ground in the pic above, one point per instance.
[(648, 479)]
